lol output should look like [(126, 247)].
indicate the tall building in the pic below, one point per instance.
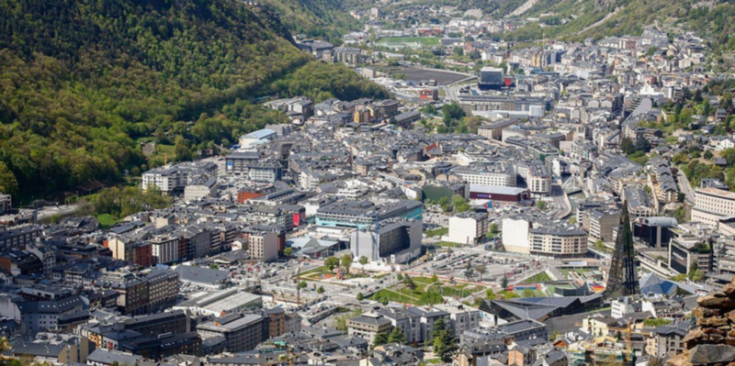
[(622, 278), (394, 241)]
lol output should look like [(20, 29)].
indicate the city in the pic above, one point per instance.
[(425, 188)]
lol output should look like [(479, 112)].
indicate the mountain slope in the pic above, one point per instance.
[(83, 81), (578, 19), (315, 18)]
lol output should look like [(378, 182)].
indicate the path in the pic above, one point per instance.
[(593, 25), (522, 9)]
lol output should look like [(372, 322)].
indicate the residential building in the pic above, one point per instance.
[(242, 332), (558, 241), (467, 228), (367, 325)]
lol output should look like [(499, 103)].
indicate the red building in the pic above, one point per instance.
[(143, 254), (429, 94), (243, 196)]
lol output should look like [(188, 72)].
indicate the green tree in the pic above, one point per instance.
[(434, 278), (431, 296), (380, 339), (182, 149), (363, 261), (213, 266), (303, 285), (347, 262), (642, 144), (320, 290), (331, 263), (360, 296), (627, 146), (494, 229), (444, 344), (8, 183), (504, 282), (397, 336), (399, 277), (288, 252), (541, 205), (490, 294), (452, 113), (445, 204), (408, 281)]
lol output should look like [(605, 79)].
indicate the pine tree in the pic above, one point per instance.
[(380, 339), (397, 336)]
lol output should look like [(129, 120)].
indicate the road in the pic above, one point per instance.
[(561, 209), (685, 187)]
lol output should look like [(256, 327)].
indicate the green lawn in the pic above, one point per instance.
[(425, 41), (540, 277), (437, 232), (313, 273), (392, 295), (447, 244), (107, 220)]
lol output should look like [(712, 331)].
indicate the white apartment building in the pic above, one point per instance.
[(263, 246), (164, 248), (515, 235), (467, 228), (712, 204), (715, 200), (169, 178), (498, 174)]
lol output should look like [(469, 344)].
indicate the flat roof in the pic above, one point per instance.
[(496, 189)]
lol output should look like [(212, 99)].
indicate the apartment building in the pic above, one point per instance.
[(263, 246), (19, 236), (366, 326), (242, 332), (557, 241), (467, 228), (172, 177), (602, 223), (537, 177), (164, 248), (501, 174), (712, 204)]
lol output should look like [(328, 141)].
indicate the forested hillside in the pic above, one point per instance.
[(315, 18), (83, 82), (578, 19)]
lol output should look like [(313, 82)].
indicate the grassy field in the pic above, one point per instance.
[(394, 296), (425, 41), (314, 273), (402, 294), (447, 244), (107, 220), (537, 278), (437, 232)]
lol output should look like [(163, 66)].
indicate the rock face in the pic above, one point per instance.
[(712, 342), (706, 354)]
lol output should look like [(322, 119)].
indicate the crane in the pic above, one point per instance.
[(629, 354)]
